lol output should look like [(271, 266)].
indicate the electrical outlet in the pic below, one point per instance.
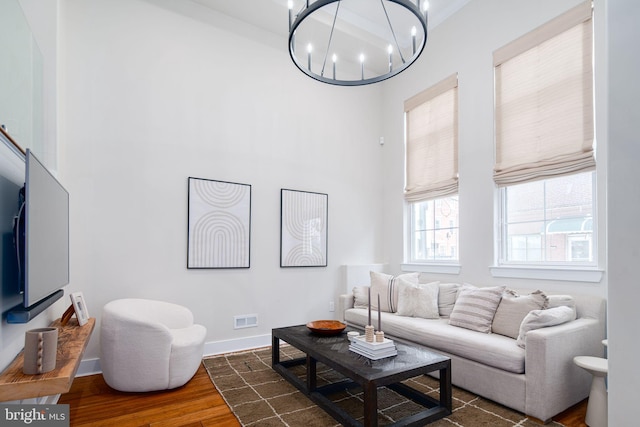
[(332, 306)]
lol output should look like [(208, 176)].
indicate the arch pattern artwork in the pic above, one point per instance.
[(219, 224), (303, 229)]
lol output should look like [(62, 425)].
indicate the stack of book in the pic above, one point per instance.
[(373, 350)]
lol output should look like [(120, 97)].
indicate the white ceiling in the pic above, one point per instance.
[(272, 15)]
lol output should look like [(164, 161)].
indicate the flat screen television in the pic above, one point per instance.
[(41, 235)]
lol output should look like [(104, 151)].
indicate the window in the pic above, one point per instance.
[(430, 240), (544, 143), (431, 120), (549, 221)]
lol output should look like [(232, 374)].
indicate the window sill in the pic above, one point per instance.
[(432, 268), (591, 275)]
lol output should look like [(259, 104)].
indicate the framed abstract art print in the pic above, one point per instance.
[(219, 224), (303, 229)]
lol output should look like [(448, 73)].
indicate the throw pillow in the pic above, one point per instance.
[(543, 318), (386, 286), (475, 308), (447, 298), (512, 310), (563, 300), (361, 297), (418, 301)]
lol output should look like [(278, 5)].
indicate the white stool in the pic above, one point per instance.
[(597, 406)]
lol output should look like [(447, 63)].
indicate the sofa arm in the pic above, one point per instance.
[(554, 382), (345, 302)]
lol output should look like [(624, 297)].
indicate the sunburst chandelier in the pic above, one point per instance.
[(356, 42)]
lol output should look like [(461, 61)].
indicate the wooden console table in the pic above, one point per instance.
[(72, 341)]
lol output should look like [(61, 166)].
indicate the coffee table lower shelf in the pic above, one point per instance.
[(360, 373)]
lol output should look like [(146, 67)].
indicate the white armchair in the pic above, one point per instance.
[(149, 345)]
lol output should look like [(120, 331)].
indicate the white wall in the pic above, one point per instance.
[(150, 97), (624, 209), (465, 44)]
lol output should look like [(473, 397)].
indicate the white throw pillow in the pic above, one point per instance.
[(543, 318), (386, 286), (512, 310), (361, 297), (447, 298), (563, 300), (418, 301), (475, 308)]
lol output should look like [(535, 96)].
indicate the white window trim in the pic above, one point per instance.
[(436, 268), (589, 275)]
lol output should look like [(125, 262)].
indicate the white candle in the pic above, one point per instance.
[(390, 50), (335, 58), (362, 65), (413, 38)]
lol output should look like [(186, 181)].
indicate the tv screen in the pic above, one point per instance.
[(46, 260)]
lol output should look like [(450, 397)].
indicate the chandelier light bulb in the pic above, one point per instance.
[(425, 5), (334, 58), (362, 58), (290, 4), (309, 47)]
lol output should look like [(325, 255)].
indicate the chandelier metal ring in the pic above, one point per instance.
[(305, 64)]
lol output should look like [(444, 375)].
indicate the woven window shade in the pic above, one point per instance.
[(432, 142), (544, 101)]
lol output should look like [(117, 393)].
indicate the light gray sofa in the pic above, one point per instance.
[(539, 380)]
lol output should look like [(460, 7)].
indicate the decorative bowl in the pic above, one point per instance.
[(326, 327)]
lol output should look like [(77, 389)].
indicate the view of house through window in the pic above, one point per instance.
[(434, 230), (550, 221)]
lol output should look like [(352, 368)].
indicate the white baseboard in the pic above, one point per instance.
[(239, 344), (92, 366)]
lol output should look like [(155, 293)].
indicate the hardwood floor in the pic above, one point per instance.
[(197, 404), (93, 403)]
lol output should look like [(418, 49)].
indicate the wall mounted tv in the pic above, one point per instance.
[(41, 235)]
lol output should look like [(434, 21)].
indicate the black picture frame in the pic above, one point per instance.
[(303, 228)]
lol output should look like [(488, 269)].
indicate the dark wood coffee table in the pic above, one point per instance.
[(334, 352)]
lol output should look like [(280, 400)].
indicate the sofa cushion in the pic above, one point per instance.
[(542, 319), (493, 350), (475, 308), (386, 286), (513, 308), (447, 298), (361, 297), (418, 301)]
